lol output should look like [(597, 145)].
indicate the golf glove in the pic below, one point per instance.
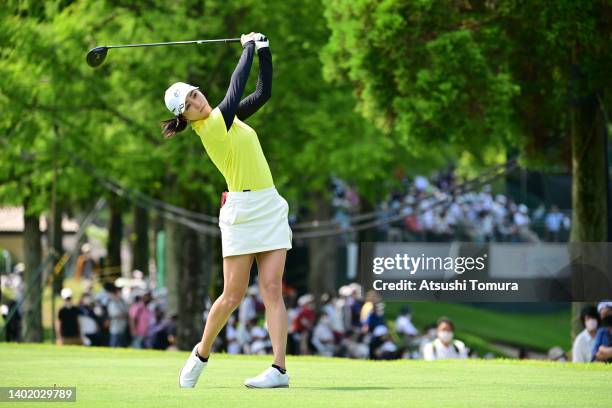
[(261, 41)]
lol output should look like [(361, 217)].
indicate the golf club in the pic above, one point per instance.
[(97, 55)]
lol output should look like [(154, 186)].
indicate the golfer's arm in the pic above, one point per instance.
[(229, 104), (263, 90)]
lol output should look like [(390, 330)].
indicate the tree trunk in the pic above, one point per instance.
[(322, 254), (192, 285), (140, 247), (589, 180), (589, 174), (189, 262), (32, 306), (174, 262), (115, 234), (55, 239)]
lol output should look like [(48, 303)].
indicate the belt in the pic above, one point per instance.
[(224, 196)]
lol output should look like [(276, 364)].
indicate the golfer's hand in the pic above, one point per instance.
[(245, 38), (261, 41)]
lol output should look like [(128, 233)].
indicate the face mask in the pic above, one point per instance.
[(590, 324), (445, 336)]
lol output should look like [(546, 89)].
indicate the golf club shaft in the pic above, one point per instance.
[(227, 40)]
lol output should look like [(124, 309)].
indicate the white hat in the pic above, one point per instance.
[(345, 291), (176, 95), (66, 293), (380, 330), (603, 305), (305, 299)]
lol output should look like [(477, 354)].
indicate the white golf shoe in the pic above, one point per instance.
[(188, 377), (270, 378)]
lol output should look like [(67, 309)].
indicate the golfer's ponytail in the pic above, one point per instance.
[(172, 126)]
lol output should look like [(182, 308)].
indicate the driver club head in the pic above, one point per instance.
[(96, 56)]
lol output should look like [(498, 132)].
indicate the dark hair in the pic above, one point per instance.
[(172, 126), (445, 319), (607, 321), (589, 311)]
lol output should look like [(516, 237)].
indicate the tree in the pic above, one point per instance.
[(482, 75)]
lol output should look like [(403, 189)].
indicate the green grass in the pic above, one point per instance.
[(535, 331), (128, 378)]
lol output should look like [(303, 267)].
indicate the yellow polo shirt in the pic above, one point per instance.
[(236, 153)]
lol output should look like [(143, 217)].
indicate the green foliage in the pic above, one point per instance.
[(60, 112), (473, 75)]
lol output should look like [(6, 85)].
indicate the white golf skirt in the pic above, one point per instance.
[(254, 221)]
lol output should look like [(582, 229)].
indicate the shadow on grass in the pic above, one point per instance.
[(365, 388)]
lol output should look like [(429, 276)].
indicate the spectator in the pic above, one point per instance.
[(444, 347), (585, 341), (556, 354), (231, 335), (91, 334), (118, 313), (244, 335), (377, 339), (13, 326), (352, 345), (403, 323), (406, 330), (67, 323), (323, 336), (247, 310), (602, 349), (355, 303), (259, 339), (85, 264), (172, 330), (303, 322), (522, 223), (554, 224), (372, 298), (140, 319), (375, 319), (158, 331), (388, 349)]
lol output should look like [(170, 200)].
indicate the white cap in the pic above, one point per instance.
[(380, 330), (175, 97), (66, 293), (305, 299), (603, 305), (345, 291)]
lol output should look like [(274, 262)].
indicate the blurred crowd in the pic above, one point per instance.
[(127, 313), (131, 313), (347, 325), (434, 210)]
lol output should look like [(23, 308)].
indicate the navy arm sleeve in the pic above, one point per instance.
[(229, 104), (263, 90)]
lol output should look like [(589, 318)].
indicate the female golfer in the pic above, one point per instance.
[(253, 220)]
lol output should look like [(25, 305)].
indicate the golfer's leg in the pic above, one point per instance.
[(236, 271), (270, 266)]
